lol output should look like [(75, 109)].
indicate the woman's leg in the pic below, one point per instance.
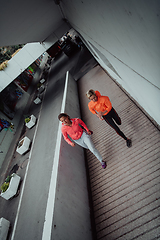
[(86, 142), (109, 120), (115, 116)]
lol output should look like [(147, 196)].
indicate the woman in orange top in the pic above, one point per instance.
[(102, 107)]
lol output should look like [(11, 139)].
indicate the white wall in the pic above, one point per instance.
[(127, 34), (32, 21)]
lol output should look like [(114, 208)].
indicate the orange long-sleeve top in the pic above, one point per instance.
[(102, 104), (74, 131)]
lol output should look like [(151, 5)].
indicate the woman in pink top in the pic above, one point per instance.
[(72, 127)]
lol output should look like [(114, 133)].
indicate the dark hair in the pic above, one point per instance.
[(63, 115)]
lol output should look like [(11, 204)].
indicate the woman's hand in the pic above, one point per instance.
[(90, 132), (73, 144), (99, 115)]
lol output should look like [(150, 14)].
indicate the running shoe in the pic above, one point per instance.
[(103, 165), (129, 143)]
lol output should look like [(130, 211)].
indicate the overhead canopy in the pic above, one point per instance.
[(32, 21)]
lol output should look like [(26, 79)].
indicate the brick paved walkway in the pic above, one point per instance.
[(126, 195)]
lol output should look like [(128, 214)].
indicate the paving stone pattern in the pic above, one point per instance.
[(126, 195)]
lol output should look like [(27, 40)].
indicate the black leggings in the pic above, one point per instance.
[(109, 119)]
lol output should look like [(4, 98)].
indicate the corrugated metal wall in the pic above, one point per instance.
[(126, 195)]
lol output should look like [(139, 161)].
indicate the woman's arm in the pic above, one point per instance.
[(83, 125), (107, 103), (91, 108), (66, 138), (100, 114)]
